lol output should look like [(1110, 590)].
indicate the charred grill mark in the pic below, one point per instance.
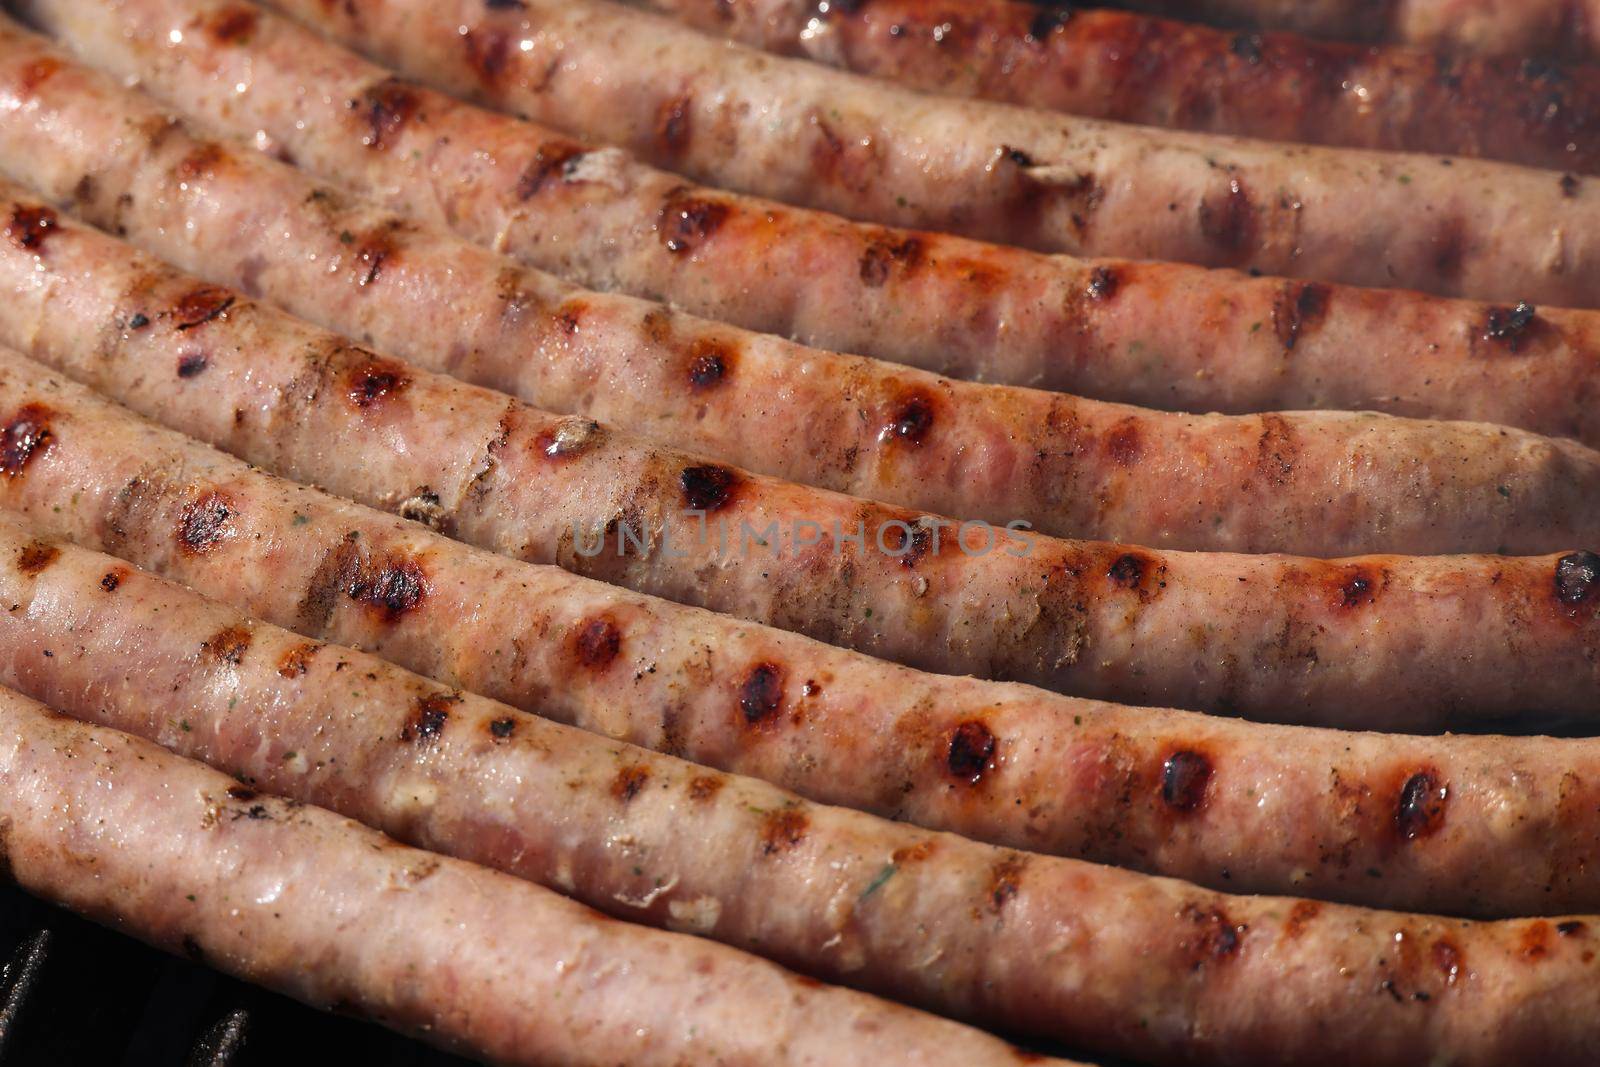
[(1355, 586), (27, 435), (35, 556), (1420, 808), (371, 253), (1228, 221), (199, 306), (502, 729), (1301, 916), (1215, 937), (205, 523), (1103, 283), (1005, 881), (1299, 308), (231, 25), (597, 643), (912, 544), (686, 221), (387, 107), (393, 588), (488, 51), (709, 364), (886, 252), (552, 159), (375, 380), (970, 751), (1577, 577), (783, 831), (708, 488), (1508, 326), (228, 644), (1124, 442), (192, 364), (1277, 449), (296, 660), (1184, 777), (629, 782), (429, 716), (1127, 571), (30, 226), (761, 694), (674, 125)]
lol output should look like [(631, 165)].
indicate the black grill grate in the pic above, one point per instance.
[(75, 993)]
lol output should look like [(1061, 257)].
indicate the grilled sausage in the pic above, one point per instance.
[(1134, 68), (806, 135), (1561, 28), (1163, 791), (1097, 957), (523, 481), (336, 915), (905, 437), (1161, 335)]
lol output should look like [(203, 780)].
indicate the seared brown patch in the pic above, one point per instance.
[(1277, 450), (488, 51), (710, 362), (914, 853), (206, 522), (1298, 309), (392, 587), (429, 717), (1534, 940), (1447, 960), (1577, 578), (1355, 585), (1420, 807), (783, 830), (35, 73), (502, 729), (112, 580), (192, 364), (970, 751), (231, 25), (912, 542), (296, 659), (1124, 442), (910, 418), (685, 222), (387, 108), (886, 252), (1212, 937), (705, 786), (199, 306), (26, 436), (375, 380), (201, 162), (1103, 283), (761, 693), (1228, 220), (1185, 774), (597, 642), (629, 781), (35, 556), (708, 487), (30, 226), (552, 159), (1127, 570), (371, 252), (1005, 880), (228, 644), (1301, 916), (674, 125)]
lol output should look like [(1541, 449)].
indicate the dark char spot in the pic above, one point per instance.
[(971, 748), (228, 644), (685, 221), (1216, 936), (111, 581), (502, 729), (29, 227), (1103, 283), (707, 488), (1005, 880), (1420, 810), (1507, 326), (1184, 777), (374, 381), (597, 642), (488, 50), (1577, 576), (911, 420), (673, 123), (232, 25), (1229, 221), (883, 253), (761, 693), (296, 660), (206, 522), (1571, 928), (243, 794), (708, 364), (35, 556), (27, 435), (192, 364), (783, 830), (1569, 185), (1127, 572), (1247, 46), (199, 306), (429, 717), (388, 107), (629, 782), (552, 159), (1049, 18), (394, 587), (1298, 308)]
